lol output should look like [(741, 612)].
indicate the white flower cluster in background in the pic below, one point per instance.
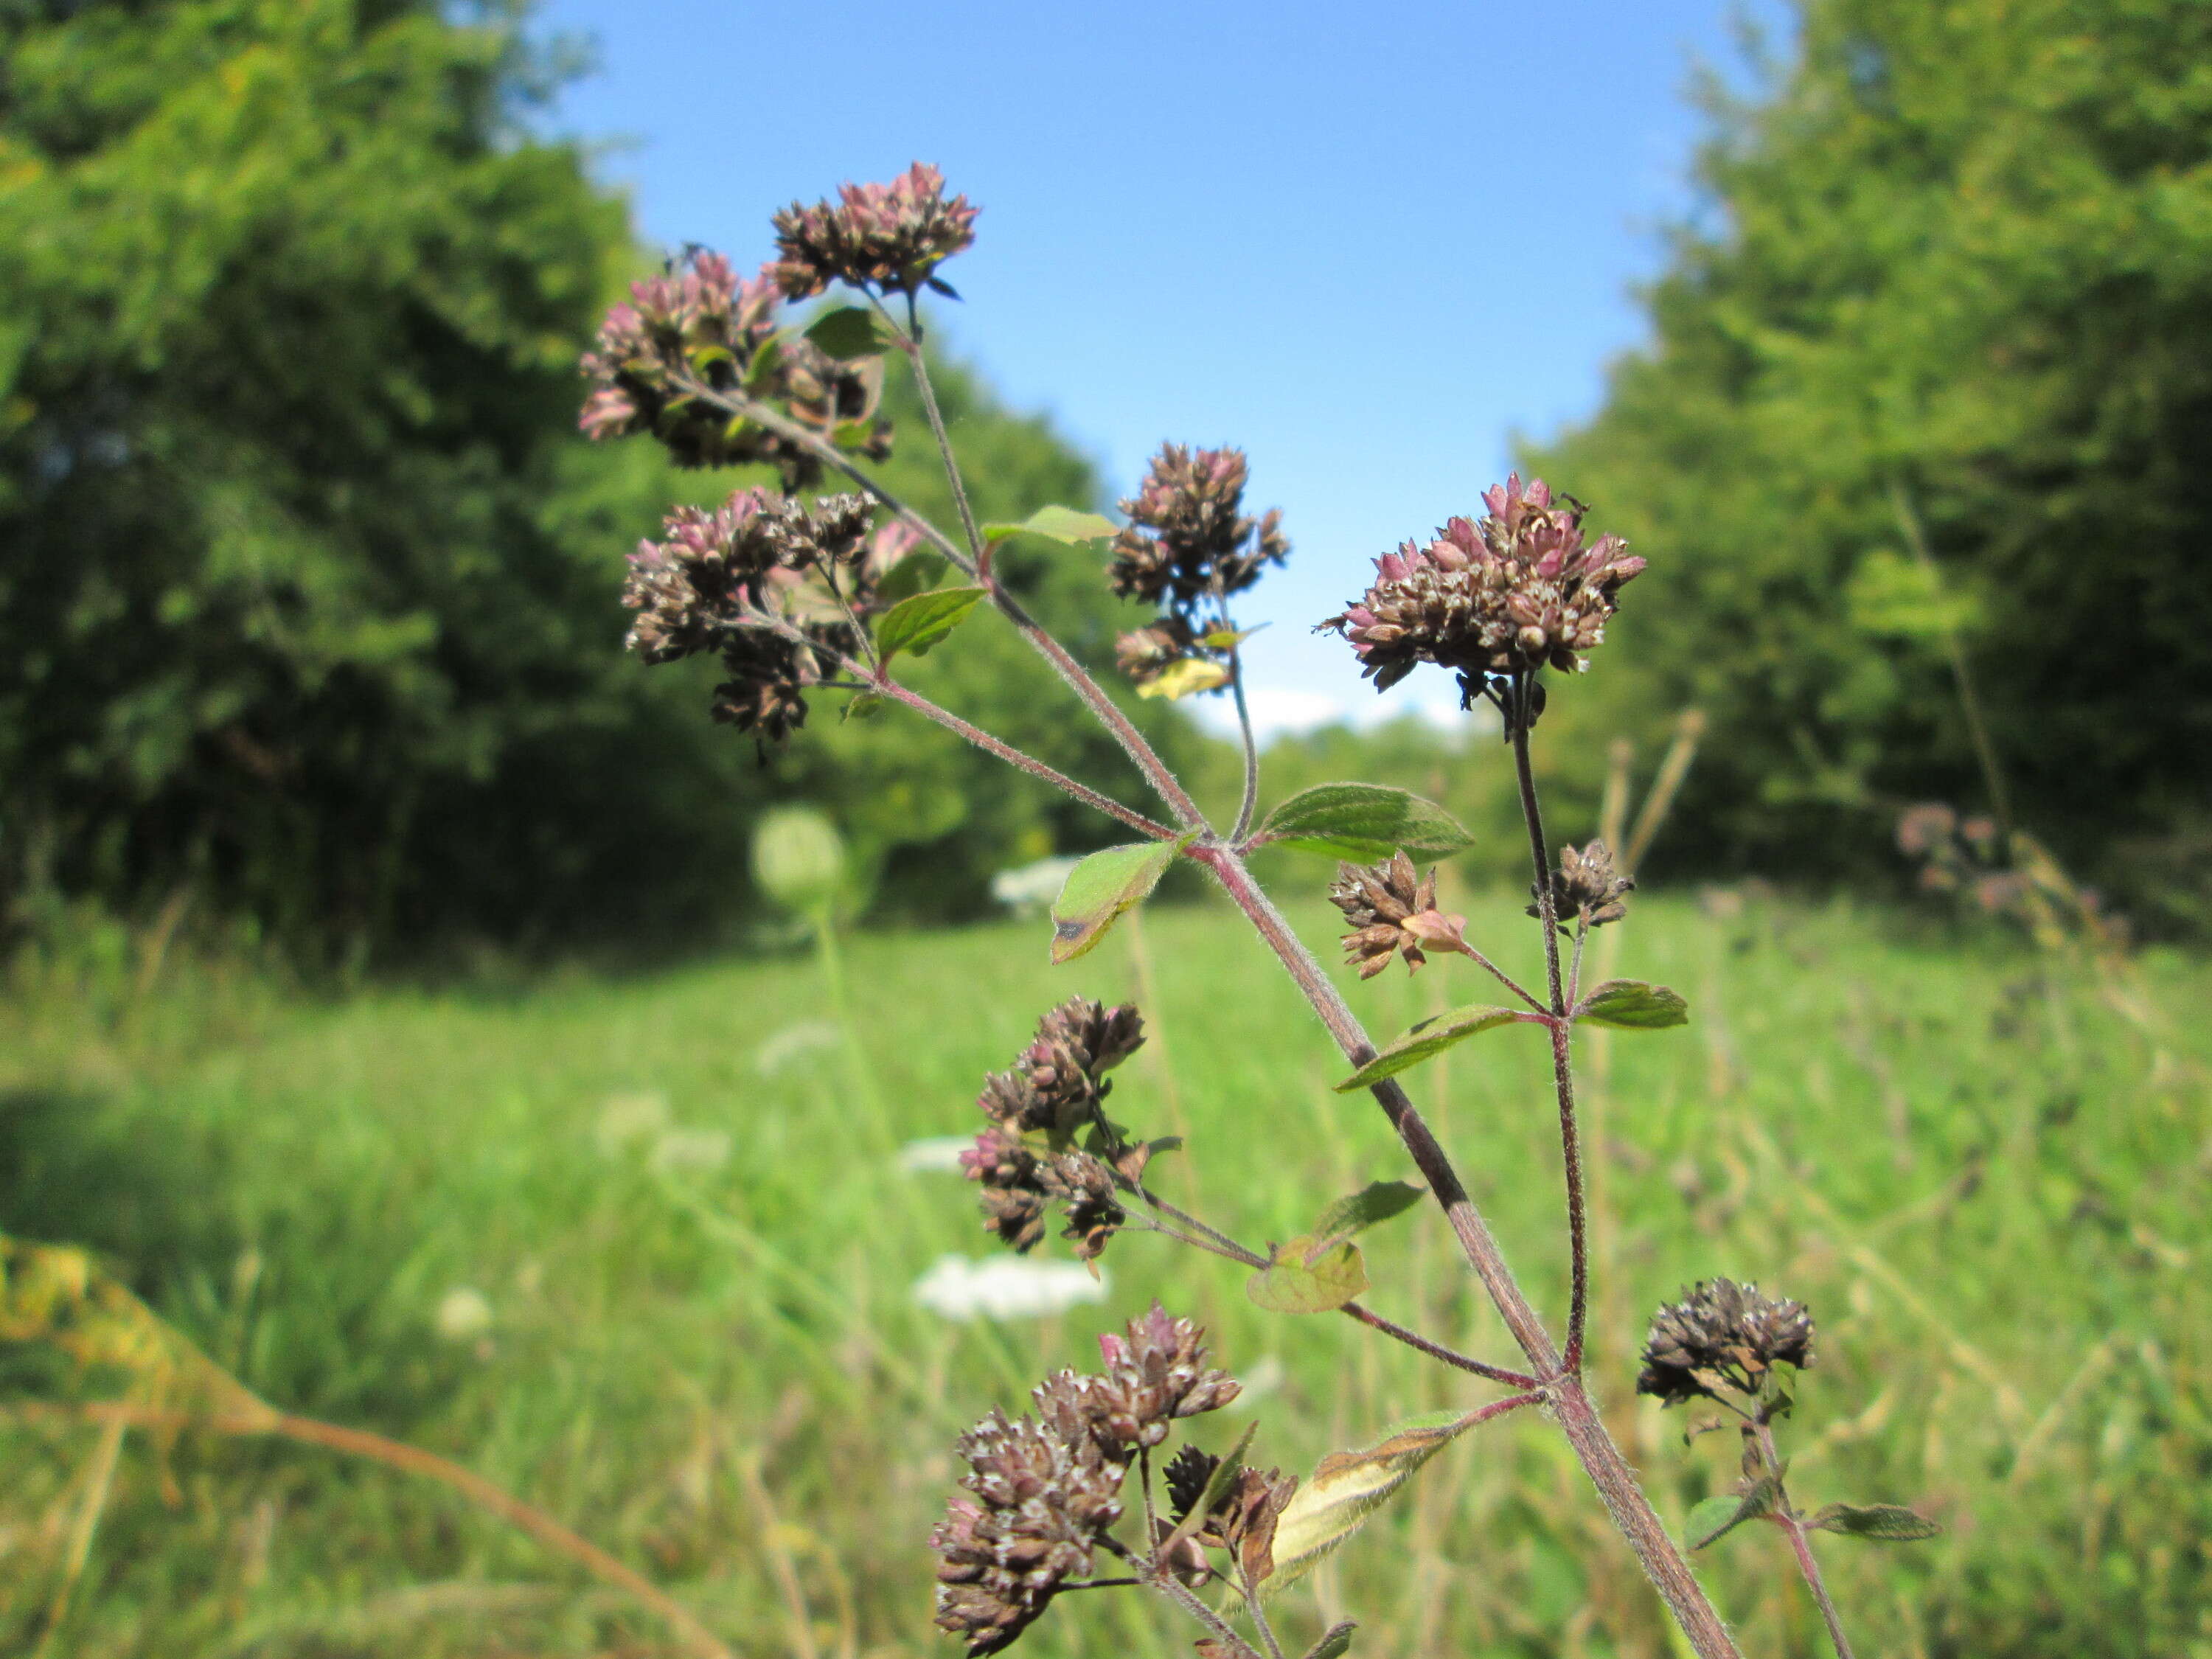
[(1005, 1287)]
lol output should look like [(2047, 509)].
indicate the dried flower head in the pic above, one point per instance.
[(1040, 1505), (1585, 887), (1157, 1372), (1013, 1198), (1154, 1375), (751, 580), (1242, 1519), (1056, 1085), (1084, 1187), (1391, 913), (1516, 592), (1189, 539), (1722, 1333), (700, 326), (888, 238)]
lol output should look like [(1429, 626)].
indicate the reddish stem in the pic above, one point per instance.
[(1563, 1074)]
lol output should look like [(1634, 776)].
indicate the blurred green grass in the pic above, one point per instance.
[(643, 1251)]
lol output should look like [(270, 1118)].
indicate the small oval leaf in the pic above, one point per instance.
[(1884, 1523), (1309, 1275), (1428, 1038), (1335, 1642), (1375, 1203), (1363, 821), (1057, 523), (914, 624), (1634, 1005), (1098, 890), (1181, 679), (850, 331)]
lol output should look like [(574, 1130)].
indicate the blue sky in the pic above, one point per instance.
[(1367, 244)]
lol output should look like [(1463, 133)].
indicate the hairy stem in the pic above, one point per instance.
[(886, 686), (1187, 1599), (1570, 1401), (1563, 1074), (911, 344), (1251, 750), (1078, 680), (1251, 1594), (1502, 976), (1801, 1547), (1811, 1569), (412, 1460)]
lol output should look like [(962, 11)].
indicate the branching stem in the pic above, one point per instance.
[(1221, 1244), (1802, 1546), (1140, 753), (1570, 1401)]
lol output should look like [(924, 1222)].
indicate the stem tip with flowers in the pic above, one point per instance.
[(797, 597)]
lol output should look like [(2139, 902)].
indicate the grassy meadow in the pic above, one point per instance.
[(642, 1252)]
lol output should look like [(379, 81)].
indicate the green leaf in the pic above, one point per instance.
[(1349, 1486), (1333, 1643), (1633, 1004), (853, 434), (1063, 525), (1363, 821), (761, 373), (1098, 890), (1309, 1275), (1717, 1515), (917, 572), (1427, 1038), (862, 706), (915, 625), (1373, 1204), (1884, 1523), (1180, 679), (851, 332)]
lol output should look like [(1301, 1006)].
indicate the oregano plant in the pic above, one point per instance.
[(798, 593)]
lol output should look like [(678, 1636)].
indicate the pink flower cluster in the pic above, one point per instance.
[(1518, 592)]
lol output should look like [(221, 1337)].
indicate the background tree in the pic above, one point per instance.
[(1928, 379)]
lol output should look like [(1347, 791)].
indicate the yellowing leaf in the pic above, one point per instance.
[(1309, 1275), (1181, 679), (1349, 1486)]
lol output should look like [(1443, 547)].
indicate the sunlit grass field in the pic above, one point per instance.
[(643, 1253)]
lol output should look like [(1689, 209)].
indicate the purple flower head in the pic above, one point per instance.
[(887, 238), (700, 328), (1518, 591)]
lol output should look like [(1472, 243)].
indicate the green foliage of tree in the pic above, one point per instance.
[(309, 596), (1957, 276)]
